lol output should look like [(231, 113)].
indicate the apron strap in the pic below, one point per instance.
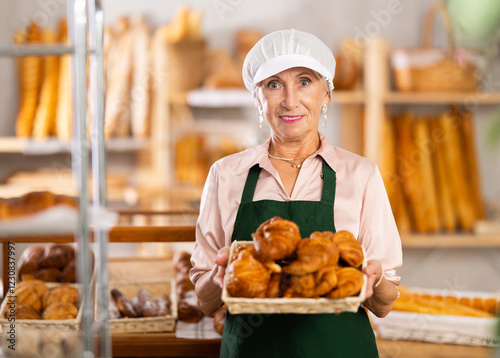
[(329, 184), (251, 184)]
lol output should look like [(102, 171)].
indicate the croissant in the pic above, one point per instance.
[(350, 248), (60, 310), (23, 312), (300, 286), (313, 253), (326, 279), (350, 281), (247, 277), (276, 238)]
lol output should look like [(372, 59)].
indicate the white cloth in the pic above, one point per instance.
[(281, 50)]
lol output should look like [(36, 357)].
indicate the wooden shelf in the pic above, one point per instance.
[(349, 97), (424, 98), (53, 146)]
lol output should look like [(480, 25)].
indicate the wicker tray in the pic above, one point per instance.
[(145, 324), (238, 305), (72, 324)]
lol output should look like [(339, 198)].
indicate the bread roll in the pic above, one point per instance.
[(220, 319), (188, 313), (123, 303), (60, 310)]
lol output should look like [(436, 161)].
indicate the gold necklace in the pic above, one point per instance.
[(297, 162)]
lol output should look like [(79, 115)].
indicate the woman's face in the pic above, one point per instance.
[(292, 101)]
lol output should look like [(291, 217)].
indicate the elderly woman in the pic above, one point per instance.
[(297, 175)]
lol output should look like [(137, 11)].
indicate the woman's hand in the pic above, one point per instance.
[(378, 299), (374, 272), (221, 261)]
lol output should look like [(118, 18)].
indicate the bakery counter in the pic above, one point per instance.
[(166, 345), (162, 345)]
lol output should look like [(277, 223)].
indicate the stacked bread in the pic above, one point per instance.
[(54, 263), (430, 170), (32, 203), (447, 304), (282, 264), (187, 310), (142, 304), (35, 300)]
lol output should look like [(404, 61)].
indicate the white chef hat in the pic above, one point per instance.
[(281, 50)]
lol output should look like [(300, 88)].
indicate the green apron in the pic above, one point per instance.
[(347, 335)]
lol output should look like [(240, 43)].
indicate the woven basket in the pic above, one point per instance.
[(432, 69), (186, 65), (238, 305), (70, 324), (146, 324)]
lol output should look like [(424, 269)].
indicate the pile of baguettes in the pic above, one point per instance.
[(430, 170), (131, 48)]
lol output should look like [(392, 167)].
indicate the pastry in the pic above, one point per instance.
[(61, 294), (113, 311), (29, 260), (350, 249), (247, 277), (57, 255), (164, 303), (276, 239), (68, 274), (27, 295), (313, 253), (49, 274), (220, 319), (325, 279), (183, 284), (123, 304), (300, 286), (144, 304), (60, 310), (23, 312), (350, 281), (188, 313)]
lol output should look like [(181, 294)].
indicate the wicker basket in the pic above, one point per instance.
[(186, 65), (432, 69), (146, 324), (238, 305), (71, 324)]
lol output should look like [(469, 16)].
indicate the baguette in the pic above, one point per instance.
[(30, 77), (44, 122), (472, 168), (141, 86), (426, 201), (455, 164), (117, 110), (444, 190), (64, 99)]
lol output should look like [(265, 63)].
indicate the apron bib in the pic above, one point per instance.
[(347, 335)]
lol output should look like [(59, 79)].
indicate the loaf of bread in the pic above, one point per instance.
[(187, 312), (144, 304)]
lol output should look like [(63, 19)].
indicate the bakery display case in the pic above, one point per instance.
[(174, 146)]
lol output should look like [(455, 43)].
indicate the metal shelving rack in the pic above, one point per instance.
[(85, 26)]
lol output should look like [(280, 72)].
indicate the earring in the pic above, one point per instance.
[(324, 116), (261, 118)]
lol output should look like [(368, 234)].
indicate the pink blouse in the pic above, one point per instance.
[(361, 206)]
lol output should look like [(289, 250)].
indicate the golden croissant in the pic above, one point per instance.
[(247, 277), (276, 239), (313, 253)]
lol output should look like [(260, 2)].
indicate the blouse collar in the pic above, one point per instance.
[(258, 155)]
